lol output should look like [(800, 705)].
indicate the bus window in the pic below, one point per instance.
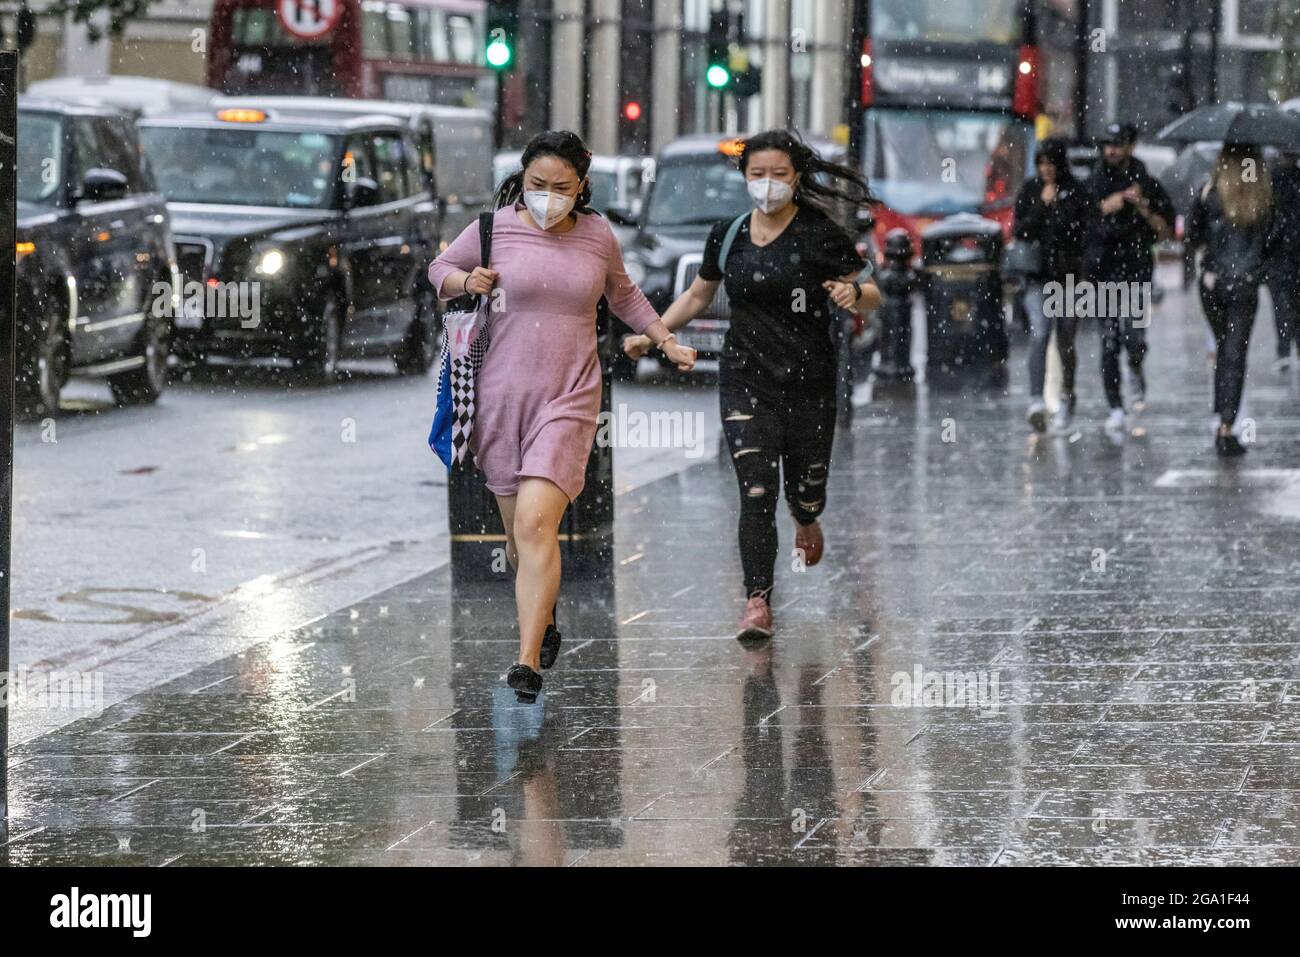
[(464, 49), (374, 30), (399, 32)]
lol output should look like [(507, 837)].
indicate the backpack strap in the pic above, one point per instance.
[(729, 239), (485, 237)]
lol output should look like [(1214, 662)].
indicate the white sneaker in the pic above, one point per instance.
[(1115, 421), (1038, 415)]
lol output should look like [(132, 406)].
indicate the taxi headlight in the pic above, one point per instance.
[(271, 262)]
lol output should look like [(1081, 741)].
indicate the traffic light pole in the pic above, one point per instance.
[(8, 214)]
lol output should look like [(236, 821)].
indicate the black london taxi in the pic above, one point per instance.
[(299, 237), (454, 145), (95, 267)]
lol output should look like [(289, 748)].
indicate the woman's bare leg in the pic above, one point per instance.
[(539, 507), (506, 506)]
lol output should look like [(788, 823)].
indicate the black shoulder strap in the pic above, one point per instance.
[(485, 237)]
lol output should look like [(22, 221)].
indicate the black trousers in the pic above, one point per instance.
[(771, 431), (1119, 334), (1284, 289), (1230, 310)]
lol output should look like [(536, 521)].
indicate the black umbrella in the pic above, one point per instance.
[(1253, 124)]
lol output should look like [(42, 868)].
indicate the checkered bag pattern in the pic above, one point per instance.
[(464, 373)]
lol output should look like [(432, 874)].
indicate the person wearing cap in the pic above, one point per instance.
[(1133, 213)]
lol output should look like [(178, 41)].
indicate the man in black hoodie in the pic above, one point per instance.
[(1133, 213)]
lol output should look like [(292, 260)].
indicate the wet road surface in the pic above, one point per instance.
[(1018, 650)]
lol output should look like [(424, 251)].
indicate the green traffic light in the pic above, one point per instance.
[(718, 76), (498, 54)]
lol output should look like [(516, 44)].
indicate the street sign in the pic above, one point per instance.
[(308, 19)]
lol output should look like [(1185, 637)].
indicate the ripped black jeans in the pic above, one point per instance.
[(769, 431)]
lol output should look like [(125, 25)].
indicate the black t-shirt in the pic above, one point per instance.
[(780, 314)]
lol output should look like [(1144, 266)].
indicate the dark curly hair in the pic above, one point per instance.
[(558, 143), (820, 181)]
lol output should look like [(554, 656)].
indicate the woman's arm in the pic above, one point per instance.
[(456, 271), (629, 303), (851, 293), (685, 308)]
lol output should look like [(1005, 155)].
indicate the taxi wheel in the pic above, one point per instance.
[(320, 361), (144, 385), (43, 371), (419, 349)]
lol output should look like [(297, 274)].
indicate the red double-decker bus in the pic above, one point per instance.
[(949, 97), (422, 51)]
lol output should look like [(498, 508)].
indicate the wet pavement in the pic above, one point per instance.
[(1018, 650)]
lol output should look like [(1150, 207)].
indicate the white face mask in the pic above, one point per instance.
[(769, 195), (548, 208)]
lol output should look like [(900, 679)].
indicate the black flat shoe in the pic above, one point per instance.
[(1228, 447), (526, 682), (550, 647)]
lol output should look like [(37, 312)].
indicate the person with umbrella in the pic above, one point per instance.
[(1284, 256), (1132, 213), (1233, 219)]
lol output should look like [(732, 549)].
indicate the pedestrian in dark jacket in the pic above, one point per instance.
[(1233, 219), (1052, 213), (1280, 270), (1133, 213)]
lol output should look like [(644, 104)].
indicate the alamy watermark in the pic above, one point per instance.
[(61, 690), (945, 689), (1086, 299), (627, 429), (213, 300)]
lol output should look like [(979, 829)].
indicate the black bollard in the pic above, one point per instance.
[(897, 281), (478, 539)]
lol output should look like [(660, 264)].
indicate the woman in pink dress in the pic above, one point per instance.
[(538, 395)]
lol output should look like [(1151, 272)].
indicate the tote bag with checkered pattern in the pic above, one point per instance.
[(465, 341)]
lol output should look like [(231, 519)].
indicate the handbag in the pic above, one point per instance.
[(465, 341)]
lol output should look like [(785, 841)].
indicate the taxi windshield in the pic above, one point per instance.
[(696, 191), (243, 167), (40, 153)]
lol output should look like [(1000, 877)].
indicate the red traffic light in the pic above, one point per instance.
[(632, 111)]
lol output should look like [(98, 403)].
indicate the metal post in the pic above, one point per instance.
[(1216, 26), (1082, 39), (8, 190)]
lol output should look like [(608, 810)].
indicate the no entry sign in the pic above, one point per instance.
[(308, 19)]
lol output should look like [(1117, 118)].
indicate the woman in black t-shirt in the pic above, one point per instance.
[(787, 269)]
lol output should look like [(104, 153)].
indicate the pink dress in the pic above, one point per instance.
[(538, 396)]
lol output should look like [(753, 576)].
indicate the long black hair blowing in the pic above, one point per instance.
[(1055, 152), (821, 182), (561, 144)]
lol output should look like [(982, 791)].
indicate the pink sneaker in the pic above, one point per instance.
[(808, 539), (756, 623)]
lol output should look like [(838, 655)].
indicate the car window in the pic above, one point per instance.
[(464, 160), (85, 151), (40, 158), (118, 153), (415, 181), (356, 161), (389, 167), (244, 165)]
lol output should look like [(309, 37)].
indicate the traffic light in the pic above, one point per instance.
[(632, 111), (718, 73), (502, 28)]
